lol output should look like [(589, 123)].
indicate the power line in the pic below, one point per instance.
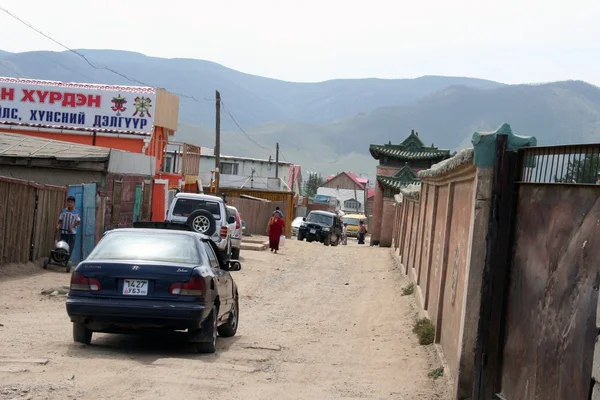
[(282, 155), (65, 67), (102, 67), (129, 78), (226, 109), (11, 69)]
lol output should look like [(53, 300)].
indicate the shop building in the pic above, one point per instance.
[(134, 119)]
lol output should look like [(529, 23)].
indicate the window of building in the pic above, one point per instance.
[(229, 168), (167, 163), (352, 204)]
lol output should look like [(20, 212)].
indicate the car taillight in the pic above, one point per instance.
[(223, 232), (194, 287), (238, 221), (80, 282)]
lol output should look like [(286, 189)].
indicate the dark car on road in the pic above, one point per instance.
[(157, 277), (320, 226)]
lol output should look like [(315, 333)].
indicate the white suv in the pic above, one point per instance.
[(236, 233), (204, 214)]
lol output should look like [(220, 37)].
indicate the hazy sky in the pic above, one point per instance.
[(510, 40)]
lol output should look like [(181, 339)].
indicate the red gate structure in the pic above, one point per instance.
[(537, 328)]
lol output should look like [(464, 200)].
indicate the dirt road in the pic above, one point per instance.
[(316, 323)]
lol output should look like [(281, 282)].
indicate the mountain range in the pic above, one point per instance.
[(327, 126)]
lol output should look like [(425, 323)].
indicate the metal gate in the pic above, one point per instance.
[(85, 203), (540, 291)]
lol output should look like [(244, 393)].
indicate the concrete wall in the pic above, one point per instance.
[(596, 367), (124, 162), (438, 234)]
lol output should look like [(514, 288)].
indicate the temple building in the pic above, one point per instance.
[(398, 167)]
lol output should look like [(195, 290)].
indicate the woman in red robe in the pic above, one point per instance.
[(275, 230)]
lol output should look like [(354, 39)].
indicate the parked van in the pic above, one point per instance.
[(352, 220)]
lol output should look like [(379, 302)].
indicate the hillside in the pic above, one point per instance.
[(251, 99), (560, 112), (328, 126)]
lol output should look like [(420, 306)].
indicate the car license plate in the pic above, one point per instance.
[(313, 231), (135, 287)]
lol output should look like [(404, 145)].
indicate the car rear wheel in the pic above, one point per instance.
[(202, 221), (229, 328), (300, 237), (235, 253), (81, 334), (209, 333)]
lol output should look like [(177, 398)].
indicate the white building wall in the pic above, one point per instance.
[(264, 173), (345, 194), (124, 162)]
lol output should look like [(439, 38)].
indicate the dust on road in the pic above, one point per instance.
[(316, 323)]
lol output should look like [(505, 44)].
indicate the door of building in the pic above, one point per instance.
[(85, 203)]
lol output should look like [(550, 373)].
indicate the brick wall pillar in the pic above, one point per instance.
[(387, 223), (377, 214)]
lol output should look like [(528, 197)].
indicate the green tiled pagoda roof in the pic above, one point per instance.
[(392, 182), (412, 148), (397, 152)]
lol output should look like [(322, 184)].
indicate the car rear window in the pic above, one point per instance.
[(351, 221), (320, 218), (184, 207), (147, 246)]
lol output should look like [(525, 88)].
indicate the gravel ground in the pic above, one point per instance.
[(316, 323)]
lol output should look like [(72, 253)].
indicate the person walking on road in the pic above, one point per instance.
[(275, 230), (278, 211), (362, 232), (68, 221)]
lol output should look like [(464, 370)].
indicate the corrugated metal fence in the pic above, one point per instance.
[(28, 216)]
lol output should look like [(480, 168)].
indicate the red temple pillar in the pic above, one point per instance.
[(377, 215)]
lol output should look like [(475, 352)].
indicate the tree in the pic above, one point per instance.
[(312, 183), (581, 171)]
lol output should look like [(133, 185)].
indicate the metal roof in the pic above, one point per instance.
[(25, 146)]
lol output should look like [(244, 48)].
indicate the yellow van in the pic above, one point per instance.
[(352, 220)]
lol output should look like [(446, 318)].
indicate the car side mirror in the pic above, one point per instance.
[(235, 265), (304, 219), (231, 220)]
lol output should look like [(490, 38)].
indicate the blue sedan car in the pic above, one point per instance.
[(142, 279)]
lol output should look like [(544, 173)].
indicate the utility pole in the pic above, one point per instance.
[(217, 140), (277, 160)]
